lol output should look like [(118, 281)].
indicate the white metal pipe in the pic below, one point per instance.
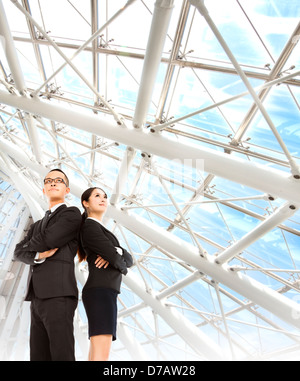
[(179, 285), (281, 306), (123, 174), (160, 23), (258, 197), (16, 153), (27, 191), (254, 175), (10, 51), (34, 137), (17, 75), (280, 215)]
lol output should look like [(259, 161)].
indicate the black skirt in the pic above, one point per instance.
[(101, 309)]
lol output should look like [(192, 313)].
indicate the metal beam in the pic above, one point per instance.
[(17, 75), (122, 178), (10, 51), (33, 200), (180, 63), (254, 175), (280, 215), (158, 33), (173, 56)]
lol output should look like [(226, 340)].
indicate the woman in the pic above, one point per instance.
[(107, 261)]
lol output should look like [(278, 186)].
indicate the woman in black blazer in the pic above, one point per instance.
[(107, 261)]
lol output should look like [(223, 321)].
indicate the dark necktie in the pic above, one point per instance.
[(45, 219)]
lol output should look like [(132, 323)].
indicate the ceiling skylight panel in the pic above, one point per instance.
[(261, 135), (30, 69), (122, 83), (231, 23), (274, 22), (284, 112), (68, 80), (61, 20), (134, 33)]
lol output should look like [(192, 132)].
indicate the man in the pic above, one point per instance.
[(49, 248)]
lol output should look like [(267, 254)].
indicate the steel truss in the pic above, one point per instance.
[(155, 312)]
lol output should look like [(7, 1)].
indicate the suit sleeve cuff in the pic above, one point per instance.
[(37, 260)]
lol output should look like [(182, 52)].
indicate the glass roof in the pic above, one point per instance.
[(187, 113)]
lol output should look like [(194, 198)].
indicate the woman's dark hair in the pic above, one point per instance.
[(84, 197)]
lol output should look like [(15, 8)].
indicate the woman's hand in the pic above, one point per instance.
[(100, 262), (47, 254)]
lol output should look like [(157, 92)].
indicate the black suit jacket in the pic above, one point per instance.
[(55, 276), (97, 240)]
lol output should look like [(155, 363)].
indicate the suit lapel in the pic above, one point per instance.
[(109, 234), (57, 211)]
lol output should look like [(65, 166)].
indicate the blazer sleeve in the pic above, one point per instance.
[(127, 257), (56, 235), (22, 255), (95, 241)]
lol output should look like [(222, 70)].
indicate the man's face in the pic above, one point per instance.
[(55, 188)]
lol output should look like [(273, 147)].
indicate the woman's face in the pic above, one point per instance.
[(97, 202)]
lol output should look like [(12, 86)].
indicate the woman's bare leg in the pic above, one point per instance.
[(100, 347)]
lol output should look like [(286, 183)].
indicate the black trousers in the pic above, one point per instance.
[(51, 330)]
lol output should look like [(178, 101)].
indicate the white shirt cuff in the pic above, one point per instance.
[(37, 260), (119, 250)]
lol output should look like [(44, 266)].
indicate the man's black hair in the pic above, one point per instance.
[(59, 170)]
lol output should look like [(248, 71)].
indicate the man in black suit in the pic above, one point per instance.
[(49, 248)]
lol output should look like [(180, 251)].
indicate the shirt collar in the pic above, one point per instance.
[(95, 219), (53, 209)]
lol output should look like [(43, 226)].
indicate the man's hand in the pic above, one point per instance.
[(47, 254), (100, 262)]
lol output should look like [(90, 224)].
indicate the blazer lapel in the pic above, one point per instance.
[(109, 234), (58, 210)]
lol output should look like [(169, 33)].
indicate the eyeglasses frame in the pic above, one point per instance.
[(54, 180)]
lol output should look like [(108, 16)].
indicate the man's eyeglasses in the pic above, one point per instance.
[(57, 180)]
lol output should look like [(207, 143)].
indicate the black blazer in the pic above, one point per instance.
[(55, 276), (97, 240)]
